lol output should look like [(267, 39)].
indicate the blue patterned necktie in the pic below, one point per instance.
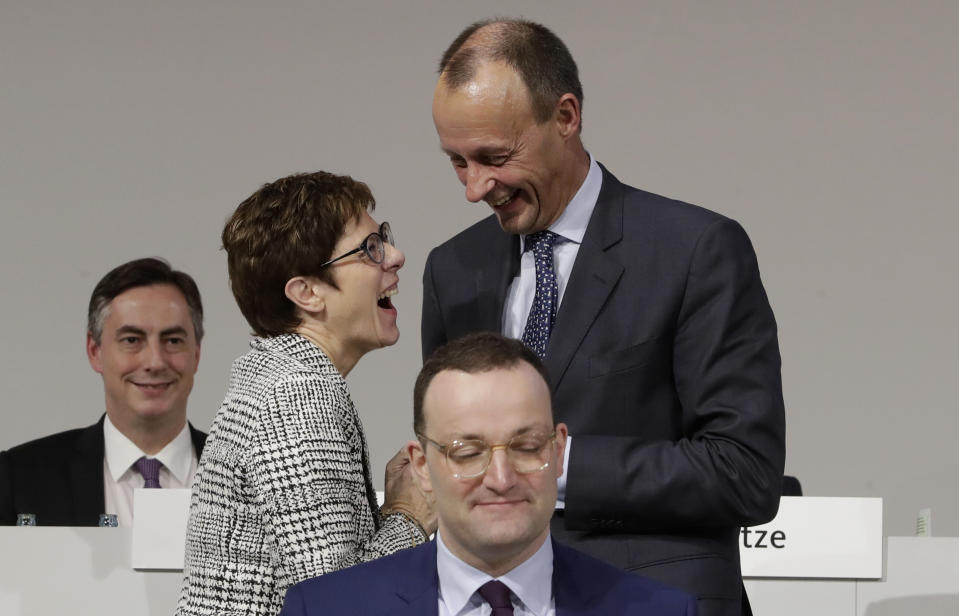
[(542, 313), (150, 469), (496, 594)]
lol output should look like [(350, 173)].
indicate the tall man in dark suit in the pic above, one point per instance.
[(649, 314), (144, 327), (489, 453)]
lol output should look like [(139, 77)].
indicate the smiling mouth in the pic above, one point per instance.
[(383, 301), (504, 201), (153, 387)]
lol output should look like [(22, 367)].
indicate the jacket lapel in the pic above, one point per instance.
[(198, 438), (86, 476), (594, 276), (499, 265), (418, 593)]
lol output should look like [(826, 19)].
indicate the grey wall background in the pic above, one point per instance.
[(828, 129)]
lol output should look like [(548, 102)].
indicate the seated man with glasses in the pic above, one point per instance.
[(489, 455)]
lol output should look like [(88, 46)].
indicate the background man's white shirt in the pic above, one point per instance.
[(120, 478)]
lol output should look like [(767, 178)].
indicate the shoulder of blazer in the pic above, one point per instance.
[(86, 442), (406, 578), (579, 579), (475, 242), (59, 477), (585, 583), (638, 204)]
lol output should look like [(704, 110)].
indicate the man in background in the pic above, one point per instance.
[(648, 313), (144, 327)]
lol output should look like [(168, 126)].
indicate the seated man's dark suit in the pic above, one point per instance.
[(665, 365), (406, 583), (59, 478)]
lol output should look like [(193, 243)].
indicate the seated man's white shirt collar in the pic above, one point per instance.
[(531, 582), (120, 478)]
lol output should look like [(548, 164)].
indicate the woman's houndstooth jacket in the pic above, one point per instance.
[(283, 492)]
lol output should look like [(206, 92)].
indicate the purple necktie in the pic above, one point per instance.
[(496, 594), (150, 469), (542, 313)]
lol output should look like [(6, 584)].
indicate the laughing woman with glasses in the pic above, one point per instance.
[(284, 490)]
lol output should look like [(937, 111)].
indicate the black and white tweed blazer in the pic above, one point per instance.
[(283, 490)]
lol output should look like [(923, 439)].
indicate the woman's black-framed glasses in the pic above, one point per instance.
[(374, 246)]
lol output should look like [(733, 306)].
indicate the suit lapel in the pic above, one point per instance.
[(86, 476), (419, 588), (576, 589), (594, 276), (499, 265), (198, 438), (426, 604)]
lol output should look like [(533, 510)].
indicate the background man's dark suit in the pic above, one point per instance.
[(406, 583), (59, 477), (664, 363)]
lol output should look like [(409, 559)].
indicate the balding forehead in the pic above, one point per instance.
[(483, 45), (492, 80)]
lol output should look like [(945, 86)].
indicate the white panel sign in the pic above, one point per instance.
[(816, 537), (159, 527)]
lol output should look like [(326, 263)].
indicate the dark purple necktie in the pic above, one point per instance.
[(150, 469), (542, 313), (496, 594)]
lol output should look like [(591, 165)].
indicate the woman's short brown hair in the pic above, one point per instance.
[(285, 229)]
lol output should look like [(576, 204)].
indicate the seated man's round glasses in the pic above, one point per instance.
[(527, 453), (373, 246)]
